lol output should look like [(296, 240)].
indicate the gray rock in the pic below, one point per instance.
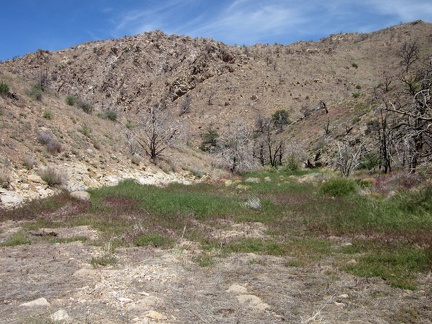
[(10, 198), (80, 195), (40, 302), (252, 180), (60, 316)]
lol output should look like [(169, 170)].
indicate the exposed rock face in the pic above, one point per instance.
[(313, 81)]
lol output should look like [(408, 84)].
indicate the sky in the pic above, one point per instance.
[(29, 25)]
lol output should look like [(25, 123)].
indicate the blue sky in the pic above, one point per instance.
[(29, 25)]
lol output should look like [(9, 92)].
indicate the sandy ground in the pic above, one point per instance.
[(55, 282)]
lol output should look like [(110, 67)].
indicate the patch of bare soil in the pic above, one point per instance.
[(55, 282)]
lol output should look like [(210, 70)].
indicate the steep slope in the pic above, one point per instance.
[(201, 83)]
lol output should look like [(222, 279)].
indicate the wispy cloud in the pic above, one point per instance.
[(252, 21)]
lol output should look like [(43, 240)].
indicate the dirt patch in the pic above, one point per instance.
[(148, 285)]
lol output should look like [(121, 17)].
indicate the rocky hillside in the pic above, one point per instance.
[(73, 108)]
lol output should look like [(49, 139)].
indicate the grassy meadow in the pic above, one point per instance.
[(383, 223)]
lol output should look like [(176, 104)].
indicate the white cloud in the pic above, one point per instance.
[(405, 10), (252, 21)]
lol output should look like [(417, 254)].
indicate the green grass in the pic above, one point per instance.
[(18, 238), (396, 262), (299, 219), (153, 239), (103, 261)]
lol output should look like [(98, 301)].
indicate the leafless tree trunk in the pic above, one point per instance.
[(237, 149), (348, 158), (155, 133)]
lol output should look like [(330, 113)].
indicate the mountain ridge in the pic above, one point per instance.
[(202, 84)]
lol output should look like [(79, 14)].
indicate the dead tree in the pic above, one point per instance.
[(155, 132)]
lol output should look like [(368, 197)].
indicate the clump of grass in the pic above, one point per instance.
[(4, 89), (18, 238), (338, 187), (153, 239), (71, 100), (110, 115), (29, 161), (85, 129), (47, 139), (107, 259), (85, 106), (48, 114), (103, 261), (53, 177), (35, 92), (82, 104), (5, 179), (397, 263), (204, 260)]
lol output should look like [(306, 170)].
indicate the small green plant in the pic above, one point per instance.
[(130, 125), (85, 106), (153, 239), (356, 94), (204, 260), (338, 187), (209, 140), (354, 65), (52, 177), (85, 129), (103, 261), (18, 238), (4, 89), (110, 115), (36, 92), (292, 164), (393, 262), (358, 86), (48, 114), (71, 100)]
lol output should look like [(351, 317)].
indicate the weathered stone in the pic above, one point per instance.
[(156, 315), (80, 195), (10, 198), (35, 178), (252, 180), (60, 316), (253, 302), (40, 302), (237, 289)]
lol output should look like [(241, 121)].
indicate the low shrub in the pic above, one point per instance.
[(110, 115), (153, 239), (18, 238), (5, 179), (48, 114), (52, 177), (36, 92), (71, 100), (103, 261), (85, 106), (47, 139), (29, 161), (338, 187), (4, 89)]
